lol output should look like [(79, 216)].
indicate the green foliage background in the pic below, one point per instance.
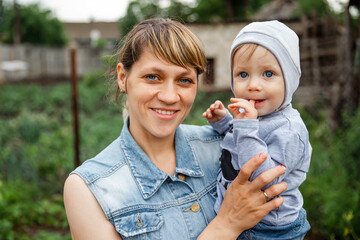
[(36, 142), (198, 11), (38, 26), (210, 11)]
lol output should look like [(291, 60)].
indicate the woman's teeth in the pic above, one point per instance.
[(164, 112)]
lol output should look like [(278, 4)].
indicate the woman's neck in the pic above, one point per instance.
[(160, 150)]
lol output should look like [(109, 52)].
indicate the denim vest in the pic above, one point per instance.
[(143, 202)]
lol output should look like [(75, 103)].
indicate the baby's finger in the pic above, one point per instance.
[(234, 107), (252, 102), (209, 113), (206, 113), (217, 105), (219, 112), (239, 100), (234, 110), (234, 100)]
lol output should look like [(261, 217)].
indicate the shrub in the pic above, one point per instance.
[(332, 190)]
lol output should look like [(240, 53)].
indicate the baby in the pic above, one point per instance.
[(265, 72)]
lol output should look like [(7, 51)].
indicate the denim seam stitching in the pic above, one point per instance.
[(158, 207)]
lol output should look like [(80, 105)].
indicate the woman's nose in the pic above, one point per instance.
[(169, 93)]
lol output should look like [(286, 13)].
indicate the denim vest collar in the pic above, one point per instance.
[(148, 177)]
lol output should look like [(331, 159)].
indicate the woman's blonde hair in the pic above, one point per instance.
[(167, 39)]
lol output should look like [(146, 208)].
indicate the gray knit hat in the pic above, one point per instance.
[(281, 41)]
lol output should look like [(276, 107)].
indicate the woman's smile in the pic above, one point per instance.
[(165, 114)]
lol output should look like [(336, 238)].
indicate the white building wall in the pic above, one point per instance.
[(217, 39)]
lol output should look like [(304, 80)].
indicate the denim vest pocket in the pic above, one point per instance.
[(139, 222)]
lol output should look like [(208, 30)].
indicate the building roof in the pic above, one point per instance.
[(82, 30), (278, 9)]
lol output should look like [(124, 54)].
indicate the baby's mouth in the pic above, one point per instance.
[(257, 100)]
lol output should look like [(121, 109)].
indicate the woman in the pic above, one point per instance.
[(158, 179)]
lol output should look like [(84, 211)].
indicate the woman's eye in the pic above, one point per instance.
[(152, 77), (268, 74), (243, 75), (185, 80)]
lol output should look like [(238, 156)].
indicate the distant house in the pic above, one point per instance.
[(93, 33)]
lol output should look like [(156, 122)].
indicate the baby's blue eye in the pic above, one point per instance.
[(268, 74), (243, 75)]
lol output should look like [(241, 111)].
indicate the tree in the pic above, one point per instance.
[(225, 10), (36, 26), (210, 11), (139, 10), (199, 11), (2, 16), (311, 8)]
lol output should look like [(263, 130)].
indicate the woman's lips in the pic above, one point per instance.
[(165, 113)]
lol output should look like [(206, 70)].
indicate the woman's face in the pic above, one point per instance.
[(159, 95)]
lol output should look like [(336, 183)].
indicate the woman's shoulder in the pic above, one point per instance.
[(107, 161), (86, 218)]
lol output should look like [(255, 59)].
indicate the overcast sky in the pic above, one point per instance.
[(98, 10), (82, 10)]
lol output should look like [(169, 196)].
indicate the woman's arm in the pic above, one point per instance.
[(86, 218), (244, 203)]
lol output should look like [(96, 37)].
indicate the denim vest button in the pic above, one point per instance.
[(195, 207), (182, 177)]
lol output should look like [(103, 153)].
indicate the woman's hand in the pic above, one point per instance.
[(244, 203)]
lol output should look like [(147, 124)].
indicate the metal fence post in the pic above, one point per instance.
[(75, 107)]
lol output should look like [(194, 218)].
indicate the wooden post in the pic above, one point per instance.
[(2, 78), (17, 25), (315, 61), (75, 107)]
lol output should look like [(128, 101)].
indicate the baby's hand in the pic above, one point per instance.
[(215, 112), (243, 109)]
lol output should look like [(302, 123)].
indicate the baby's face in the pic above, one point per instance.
[(257, 76)]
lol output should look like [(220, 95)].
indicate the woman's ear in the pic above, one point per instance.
[(121, 77)]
